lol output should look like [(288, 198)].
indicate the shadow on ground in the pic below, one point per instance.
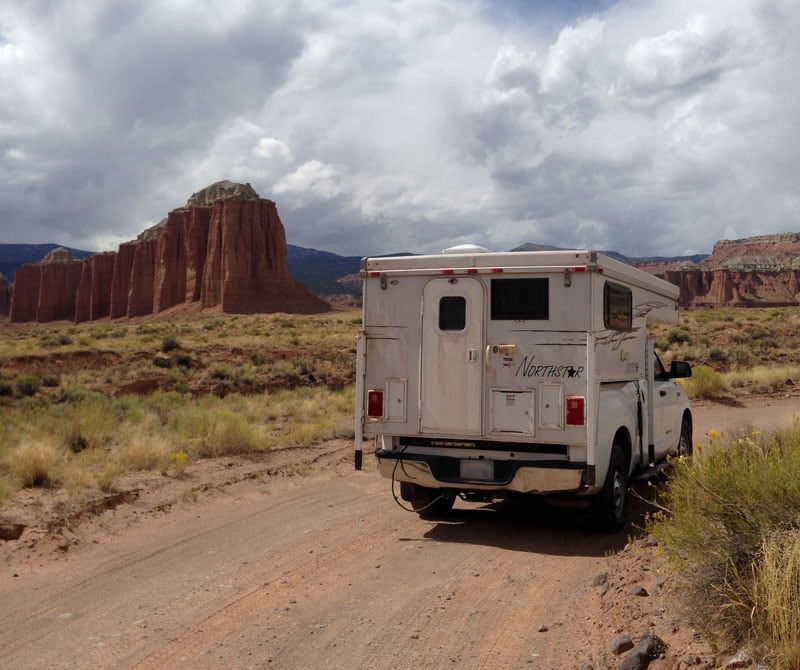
[(535, 525)]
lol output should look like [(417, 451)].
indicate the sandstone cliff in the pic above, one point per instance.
[(225, 248), (761, 271), (5, 295)]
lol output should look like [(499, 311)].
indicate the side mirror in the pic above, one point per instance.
[(679, 369)]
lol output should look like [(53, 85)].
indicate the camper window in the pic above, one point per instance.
[(617, 306), (452, 312), (520, 299)]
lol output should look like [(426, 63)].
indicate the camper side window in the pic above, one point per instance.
[(617, 306), (521, 299), (452, 312)]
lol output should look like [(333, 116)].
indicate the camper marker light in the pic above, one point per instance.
[(576, 410), (496, 271), (472, 271), (374, 403), (447, 272), (373, 274)]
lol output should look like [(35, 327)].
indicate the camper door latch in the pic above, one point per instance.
[(472, 355), (505, 350)]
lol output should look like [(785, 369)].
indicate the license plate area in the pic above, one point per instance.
[(477, 469)]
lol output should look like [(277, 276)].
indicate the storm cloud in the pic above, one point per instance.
[(650, 128)]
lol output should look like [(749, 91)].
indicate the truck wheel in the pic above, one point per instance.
[(428, 503), (609, 508), (685, 446)]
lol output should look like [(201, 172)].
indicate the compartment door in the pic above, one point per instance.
[(451, 393)]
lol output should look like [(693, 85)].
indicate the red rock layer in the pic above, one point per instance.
[(140, 295), (121, 280), (228, 252), (5, 296), (736, 288), (93, 298)]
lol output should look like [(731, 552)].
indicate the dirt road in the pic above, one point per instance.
[(321, 571)]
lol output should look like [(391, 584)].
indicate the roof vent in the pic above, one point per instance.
[(465, 249)]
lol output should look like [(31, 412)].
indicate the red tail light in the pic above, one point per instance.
[(375, 403), (576, 410)]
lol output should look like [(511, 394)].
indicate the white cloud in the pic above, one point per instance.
[(313, 180), (270, 147)]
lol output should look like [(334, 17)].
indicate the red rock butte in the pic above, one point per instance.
[(225, 248)]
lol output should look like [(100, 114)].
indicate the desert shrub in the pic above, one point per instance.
[(28, 384), (705, 382), (678, 336), (163, 362), (211, 429), (259, 358), (107, 478), (170, 343), (717, 354), (176, 381), (184, 359), (51, 379), (221, 371), (6, 388), (141, 451), (776, 593), (37, 463), (732, 536)]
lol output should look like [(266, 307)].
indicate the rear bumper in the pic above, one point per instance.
[(518, 476)]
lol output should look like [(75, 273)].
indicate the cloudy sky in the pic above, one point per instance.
[(651, 127)]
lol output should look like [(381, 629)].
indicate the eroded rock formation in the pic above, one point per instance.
[(762, 271), (5, 295), (225, 248)]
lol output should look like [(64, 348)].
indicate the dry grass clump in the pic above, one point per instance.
[(730, 506), (776, 590), (763, 379), (91, 439), (705, 382), (38, 463)]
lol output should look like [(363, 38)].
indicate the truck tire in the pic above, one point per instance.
[(428, 503), (685, 446), (609, 508)]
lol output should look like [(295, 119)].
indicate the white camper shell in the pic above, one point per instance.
[(487, 373)]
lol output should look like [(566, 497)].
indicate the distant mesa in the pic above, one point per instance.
[(226, 248), (760, 271)]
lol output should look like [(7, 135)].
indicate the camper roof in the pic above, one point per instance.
[(519, 262)]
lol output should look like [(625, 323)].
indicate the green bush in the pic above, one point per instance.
[(221, 371), (184, 360), (28, 384), (727, 507), (705, 382), (259, 358), (170, 343)]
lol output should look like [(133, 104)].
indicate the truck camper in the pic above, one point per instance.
[(484, 375)]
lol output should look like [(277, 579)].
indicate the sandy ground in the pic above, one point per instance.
[(297, 561)]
